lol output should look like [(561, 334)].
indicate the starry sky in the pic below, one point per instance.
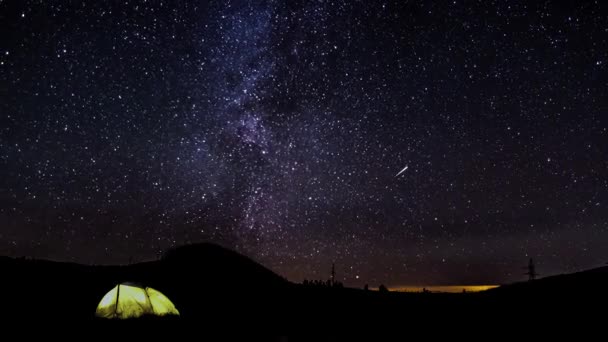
[(278, 128)]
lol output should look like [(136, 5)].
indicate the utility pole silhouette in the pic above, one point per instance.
[(333, 274), (531, 270)]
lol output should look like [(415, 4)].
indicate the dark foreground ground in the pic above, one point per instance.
[(217, 290)]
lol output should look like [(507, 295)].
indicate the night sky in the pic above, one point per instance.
[(278, 128)]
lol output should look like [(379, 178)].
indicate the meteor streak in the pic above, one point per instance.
[(402, 171)]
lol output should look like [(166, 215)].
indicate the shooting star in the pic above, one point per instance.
[(402, 171)]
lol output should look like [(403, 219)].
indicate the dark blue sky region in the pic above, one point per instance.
[(278, 128)]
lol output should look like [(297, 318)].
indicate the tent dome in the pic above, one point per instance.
[(130, 301)]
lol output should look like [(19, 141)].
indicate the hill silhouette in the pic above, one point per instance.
[(217, 286), (555, 291), (194, 276), (221, 267)]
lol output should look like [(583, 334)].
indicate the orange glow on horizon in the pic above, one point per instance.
[(441, 288)]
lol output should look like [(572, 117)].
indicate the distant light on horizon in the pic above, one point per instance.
[(442, 288)]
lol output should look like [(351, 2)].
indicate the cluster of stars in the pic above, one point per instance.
[(278, 128)]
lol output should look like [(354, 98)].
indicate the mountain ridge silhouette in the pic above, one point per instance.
[(212, 284)]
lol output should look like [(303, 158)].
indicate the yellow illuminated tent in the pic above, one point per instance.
[(130, 301)]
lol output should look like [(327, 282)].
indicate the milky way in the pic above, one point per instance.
[(277, 129)]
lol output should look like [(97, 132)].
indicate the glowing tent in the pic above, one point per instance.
[(130, 301)]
